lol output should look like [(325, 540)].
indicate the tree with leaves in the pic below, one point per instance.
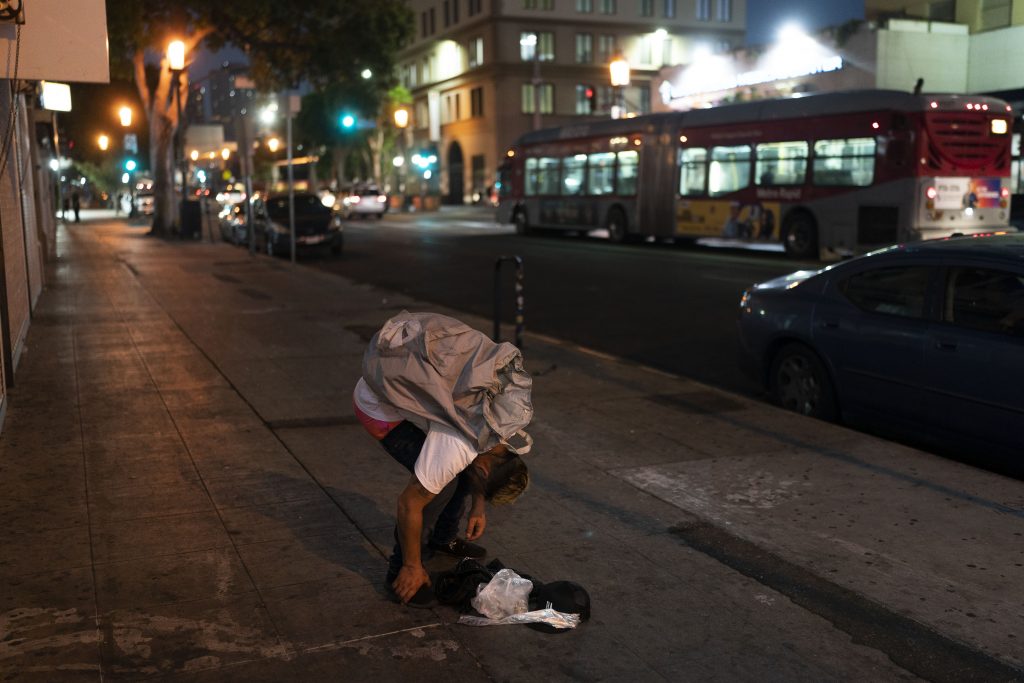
[(320, 42)]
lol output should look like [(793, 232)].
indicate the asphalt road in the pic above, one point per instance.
[(666, 306)]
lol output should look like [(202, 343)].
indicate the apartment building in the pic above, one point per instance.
[(483, 72)]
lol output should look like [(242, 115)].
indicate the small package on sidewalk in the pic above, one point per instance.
[(509, 598)]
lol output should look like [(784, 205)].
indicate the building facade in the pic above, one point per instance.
[(483, 72)]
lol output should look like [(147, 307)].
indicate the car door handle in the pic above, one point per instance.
[(830, 324), (945, 345)]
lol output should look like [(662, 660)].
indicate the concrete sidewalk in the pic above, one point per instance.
[(185, 494)]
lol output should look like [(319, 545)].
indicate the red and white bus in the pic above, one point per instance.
[(826, 175)]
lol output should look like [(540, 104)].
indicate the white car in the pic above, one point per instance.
[(364, 201)]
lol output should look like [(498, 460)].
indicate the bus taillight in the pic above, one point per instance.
[(1004, 197)]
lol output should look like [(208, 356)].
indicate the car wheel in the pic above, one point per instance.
[(800, 235), (617, 226), (800, 382), (522, 225)]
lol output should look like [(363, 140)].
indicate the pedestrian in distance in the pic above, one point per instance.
[(449, 405), (76, 205)]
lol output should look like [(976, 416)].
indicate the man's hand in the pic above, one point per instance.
[(476, 525), (410, 579)]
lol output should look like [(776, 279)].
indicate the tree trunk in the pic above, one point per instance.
[(161, 152)]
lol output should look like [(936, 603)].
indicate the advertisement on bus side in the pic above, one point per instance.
[(755, 220)]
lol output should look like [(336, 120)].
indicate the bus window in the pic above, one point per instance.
[(781, 163), (531, 177), (547, 175), (730, 169), (629, 163), (693, 166), (601, 176), (574, 170), (844, 162)]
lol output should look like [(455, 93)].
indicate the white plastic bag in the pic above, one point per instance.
[(506, 594), (547, 616)]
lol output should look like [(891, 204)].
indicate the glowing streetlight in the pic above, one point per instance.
[(103, 142), (194, 155), (618, 71), (269, 113), (273, 144), (366, 74), (225, 154), (176, 55), (401, 117), (126, 116)]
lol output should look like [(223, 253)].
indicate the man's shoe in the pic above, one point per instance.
[(459, 548), (423, 599)]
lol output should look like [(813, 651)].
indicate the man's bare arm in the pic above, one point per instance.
[(410, 531)]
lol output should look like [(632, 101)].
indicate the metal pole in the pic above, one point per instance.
[(291, 181), (177, 152), (56, 152), (245, 159), (520, 299)]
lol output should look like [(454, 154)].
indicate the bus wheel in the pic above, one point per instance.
[(616, 225), (800, 235), (522, 225)]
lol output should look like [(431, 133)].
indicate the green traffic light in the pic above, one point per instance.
[(130, 165), (348, 121)]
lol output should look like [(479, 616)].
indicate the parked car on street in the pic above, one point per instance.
[(232, 224), (364, 201), (316, 225), (923, 339)]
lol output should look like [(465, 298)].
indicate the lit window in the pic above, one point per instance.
[(601, 173), (848, 161), (730, 169), (693, 165), (574, 172), (670, 9), (781, 163), (608, 7), (584, 48), (724, 12), (703, 10), (476, 52), (547, 98), (628, 170)]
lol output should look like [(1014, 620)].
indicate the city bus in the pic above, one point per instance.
[(825, 176)]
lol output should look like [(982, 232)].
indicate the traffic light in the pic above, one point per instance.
[(591, 98), (130, 165), (348, 121)]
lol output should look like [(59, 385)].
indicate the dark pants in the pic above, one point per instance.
[(443, 514)]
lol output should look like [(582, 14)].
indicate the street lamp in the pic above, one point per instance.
[(273, 144), (103, 142), (401, 123), (531, 40), (176, 63), (126, 116), (618, 70)]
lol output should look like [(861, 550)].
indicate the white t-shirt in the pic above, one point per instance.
[(445, 452)]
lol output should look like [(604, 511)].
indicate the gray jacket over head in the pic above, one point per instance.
[(441, 370)]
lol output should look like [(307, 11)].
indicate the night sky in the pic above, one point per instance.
[(764, 17)]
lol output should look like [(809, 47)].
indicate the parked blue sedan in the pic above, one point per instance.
[(924, 338)]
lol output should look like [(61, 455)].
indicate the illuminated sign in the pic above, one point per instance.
[(56, 96)]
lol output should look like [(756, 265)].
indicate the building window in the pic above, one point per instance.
[(433, 24), (647, 8), (425, 72), (547, 98), (605, 48), (529, 4), (423, 24), (477, 164), (585, 6), (474, 7), (448, 12), (608, 7), (605, 97), (547, 5), (543, 47), (584, 48), (422, 119), (586, 99), (455, 11), (644, 98), (703, 10), (995, 14), (476, 102), (724, 12), (476, 52), (670, 9), (647, 49)]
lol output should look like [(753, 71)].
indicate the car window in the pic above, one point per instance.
[(894, 291), (305, 205), (985, 299)]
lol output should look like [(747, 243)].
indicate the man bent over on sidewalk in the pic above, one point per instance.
[(448, 405)]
